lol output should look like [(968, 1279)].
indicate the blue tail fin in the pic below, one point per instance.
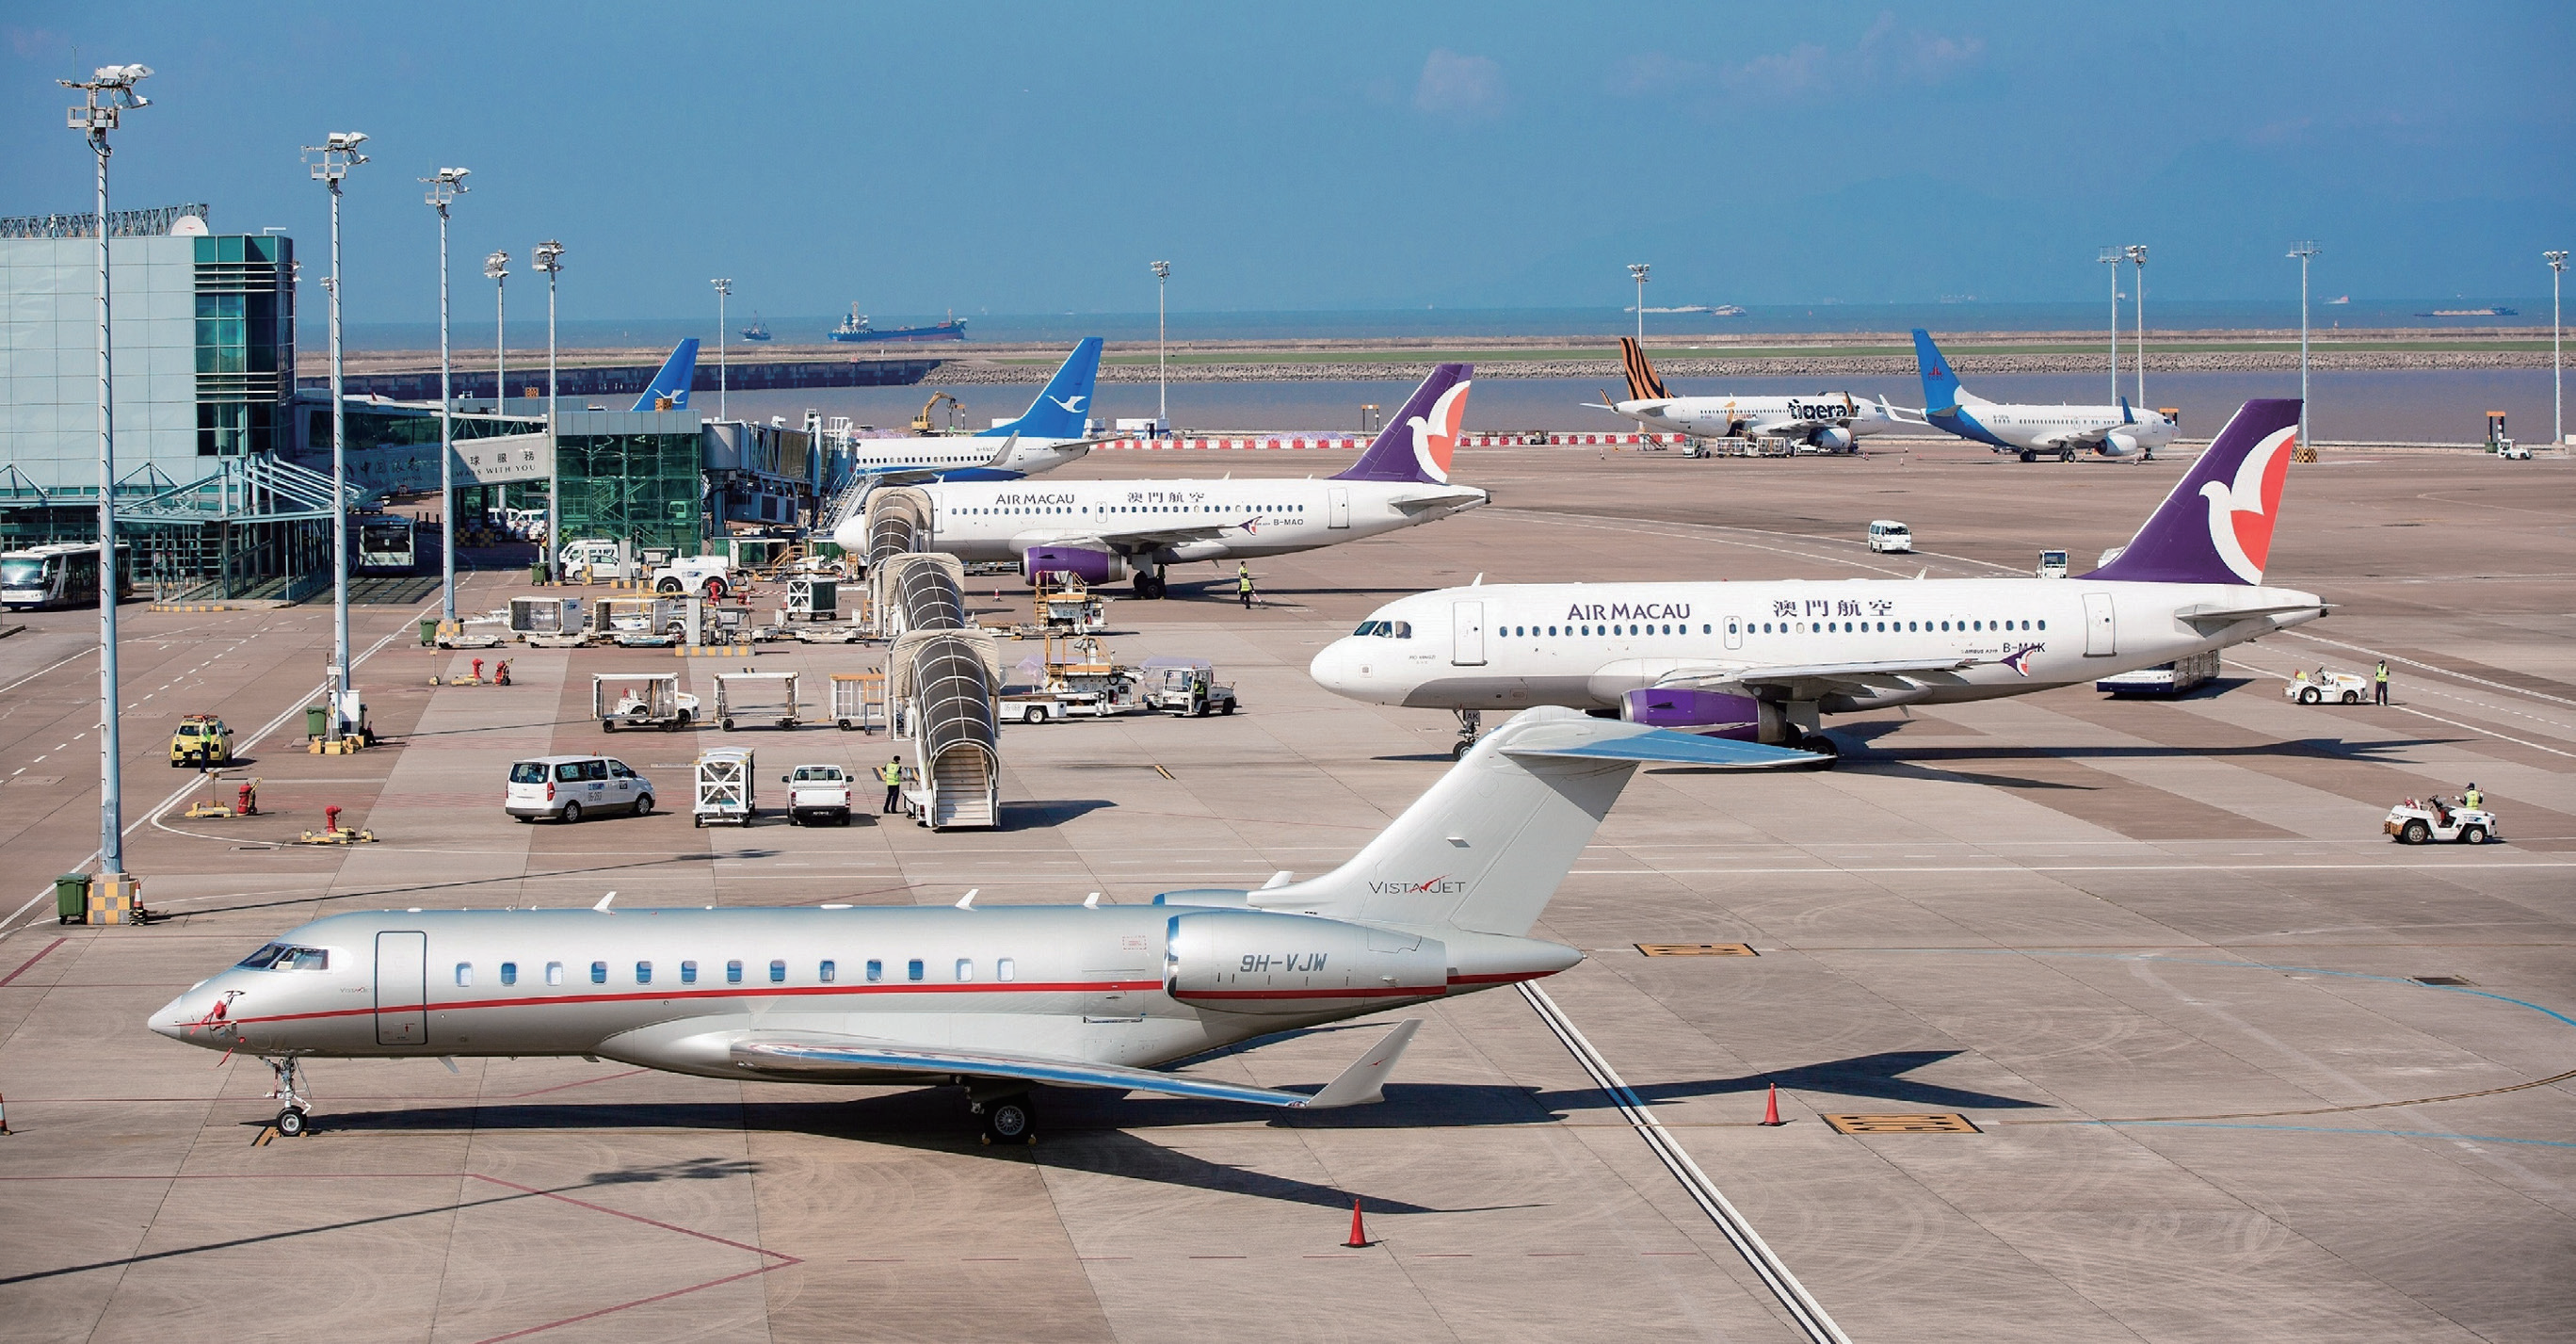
[(1940, 385), (2127, 416), (1418, 440), (673, 381), (1064, 407)]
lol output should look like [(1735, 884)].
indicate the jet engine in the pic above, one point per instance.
[(1252, 961), (1709, 713), (2119, 445), (1832, 439), (1090, 566)]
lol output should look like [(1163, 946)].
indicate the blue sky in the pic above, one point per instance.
[(1031, 158)]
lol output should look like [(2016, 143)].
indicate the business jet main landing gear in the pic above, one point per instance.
[(1008, 1117), (1471, 722), (289, 1091)]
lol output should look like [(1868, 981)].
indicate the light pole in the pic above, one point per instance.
[(724, 290), (2301, 251), (496, 268), (2111, 257), (2138, 258), (1637, 270), (548, 257), (94, 121), (2557, 394), (444, 186), (1162, 388), (329, 162)]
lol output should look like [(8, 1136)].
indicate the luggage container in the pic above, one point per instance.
[(813, 599), (723, 791), (545, 615)]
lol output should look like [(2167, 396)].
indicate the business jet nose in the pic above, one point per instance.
[(1345, 668), (173, 1018)]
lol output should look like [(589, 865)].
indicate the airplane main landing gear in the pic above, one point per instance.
[(1823, 746), (1470, 723), (1009, 1118), (1150, 584), (291, 1116)]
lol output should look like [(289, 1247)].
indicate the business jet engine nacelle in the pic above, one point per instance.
[(1253, 961), (1832, 439), (1709, 713), (2119, 445), (1090, 566)]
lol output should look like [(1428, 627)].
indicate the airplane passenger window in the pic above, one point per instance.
[(554, 972), (465, 972), (876, 970), (733, 972), (1551, 630), (965, 969), (1005, 969), (599, 972), (912, 969), (688, 972), (509, 972), (827, 972), (643, 972), (2043, 625), (778, 972)]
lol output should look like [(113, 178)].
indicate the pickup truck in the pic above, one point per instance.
[(817, 792)]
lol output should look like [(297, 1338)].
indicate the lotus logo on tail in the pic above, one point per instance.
[(1435, 438), (2242, 513), (2019, 659)]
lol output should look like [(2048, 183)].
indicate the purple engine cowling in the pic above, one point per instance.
[(1708, 713), (1090, 566)]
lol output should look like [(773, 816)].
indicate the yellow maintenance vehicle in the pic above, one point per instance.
[(956, 408), (201, 741)]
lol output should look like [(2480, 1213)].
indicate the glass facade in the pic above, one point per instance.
[(632, 477)]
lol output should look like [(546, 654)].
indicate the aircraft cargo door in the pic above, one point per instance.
[(1467, 634), (2101, 637), (1337, 500), (402, 989)]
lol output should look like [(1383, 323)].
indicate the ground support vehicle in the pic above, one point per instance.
[(2052, 565), (695, 576), (1888, 536), (828, 634), (200, 742), (568, 788), (1184, 686), (723, 794), (641, 700), (2324, 684), (530, 616), (817, 793), (743, 696), (811, 599), (2421, 822), (2174, 678), (859, 700)]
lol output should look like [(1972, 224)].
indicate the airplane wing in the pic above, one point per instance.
[(821, 1053), (1149, 538), (1808, 681)]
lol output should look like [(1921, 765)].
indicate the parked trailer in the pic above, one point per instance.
[(859, 700), (641, 700), (723, 788), (757, 695)]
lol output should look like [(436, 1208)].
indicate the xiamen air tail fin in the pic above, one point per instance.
[(677, 373), (1643, 384), (1419, 439), (1941, 390), (1063, 407), (2216, 526), (1487, 846)]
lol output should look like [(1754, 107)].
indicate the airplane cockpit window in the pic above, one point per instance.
[(1370, 628), (1402, 630), (287, 957), (264, 958)]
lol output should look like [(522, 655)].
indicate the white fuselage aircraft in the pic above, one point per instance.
[(998, 998), (1102, 531), (1829, 421), (1049, 434), (1763, 661), (2034, 431)]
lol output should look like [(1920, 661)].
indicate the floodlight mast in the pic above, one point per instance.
[(2301, 252), (1162, 388), (94, 120), (724, 290), (548, 257), (2557, 393), (444, 186), (328, 162), (2111, 257), (496, 268), (1637, 270), (2138, 258)]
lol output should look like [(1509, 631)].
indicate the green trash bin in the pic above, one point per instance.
[(71, 898), (317, 721), (537, 573), (429, 632)]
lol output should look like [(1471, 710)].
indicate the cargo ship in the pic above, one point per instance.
[(2472, 312), (855, 328)]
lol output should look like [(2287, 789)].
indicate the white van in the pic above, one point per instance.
[(1887, 534), (597, 554), (568, 788)]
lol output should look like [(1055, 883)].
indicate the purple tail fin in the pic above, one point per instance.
[(1418, 440), (2216, 526)]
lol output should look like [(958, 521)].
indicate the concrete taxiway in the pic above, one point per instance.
[(2237, 1066)]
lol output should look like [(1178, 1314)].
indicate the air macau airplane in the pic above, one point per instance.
[(1102, 531), (999, 998), (1764, 661)]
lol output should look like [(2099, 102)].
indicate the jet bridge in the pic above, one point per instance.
[(898, 519), (941, 688)]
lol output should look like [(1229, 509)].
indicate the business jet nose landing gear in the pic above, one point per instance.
[(1470, 723), (290, 1092)]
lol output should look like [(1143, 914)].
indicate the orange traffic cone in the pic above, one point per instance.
[(1771, 1106), (1359, 1232)]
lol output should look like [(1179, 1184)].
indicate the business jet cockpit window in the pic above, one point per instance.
[(1386, 629), (287, 957)]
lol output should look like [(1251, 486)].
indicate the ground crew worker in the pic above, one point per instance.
[(2471, 799), (2380, 685), (1243, 583), (892, 773)]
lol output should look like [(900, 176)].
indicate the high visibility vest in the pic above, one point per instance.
[(2383, 672), (2473, 800), (1243, 583), (891, 773)]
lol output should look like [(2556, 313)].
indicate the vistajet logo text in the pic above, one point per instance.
[(1442, 885)]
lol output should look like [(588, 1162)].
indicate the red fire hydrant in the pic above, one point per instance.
[(246, 803), (330, 820)]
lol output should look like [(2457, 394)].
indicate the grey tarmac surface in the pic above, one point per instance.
[(2158, 952)]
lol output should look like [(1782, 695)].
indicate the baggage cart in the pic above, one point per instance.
[(722, 790), (859, 700), (641, 700), (742, 696)]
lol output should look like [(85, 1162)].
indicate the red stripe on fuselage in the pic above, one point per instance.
[(729, 992)]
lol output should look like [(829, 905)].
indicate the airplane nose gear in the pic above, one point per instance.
[(1471, 722), (290, 1091)]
